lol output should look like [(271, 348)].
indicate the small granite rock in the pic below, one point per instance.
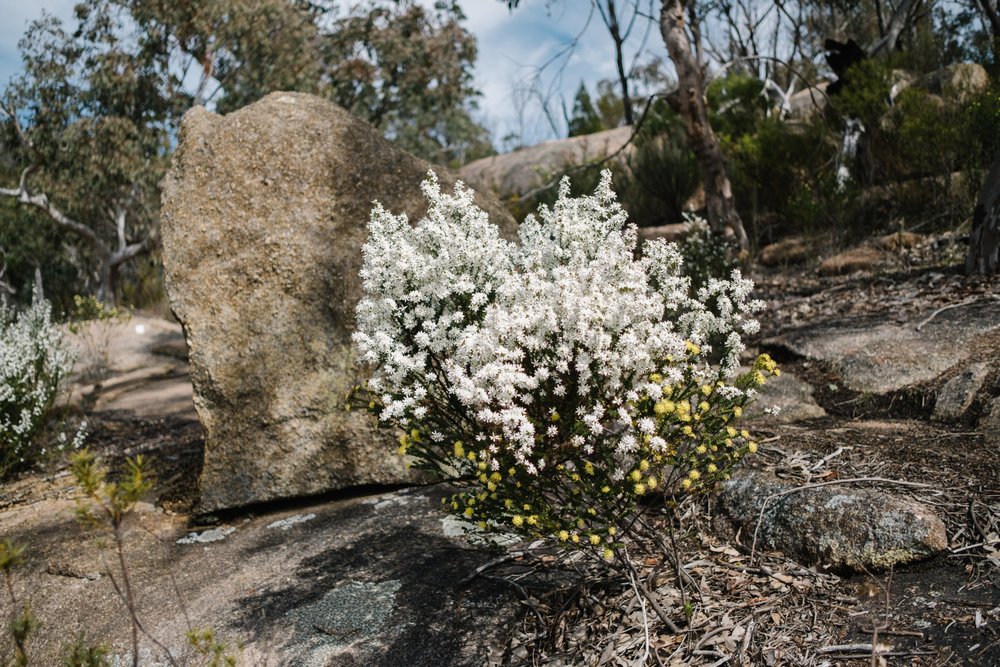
[(958, 393), (990, 421), (899, 240), (837, 527)]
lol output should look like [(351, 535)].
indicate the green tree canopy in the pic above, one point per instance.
[(407, 70)]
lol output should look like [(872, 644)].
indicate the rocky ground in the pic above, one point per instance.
[(891, 377)]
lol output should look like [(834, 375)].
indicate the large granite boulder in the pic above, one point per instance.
[(960, 82), (265, 211)]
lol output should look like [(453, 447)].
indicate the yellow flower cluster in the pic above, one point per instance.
[(692, 442)]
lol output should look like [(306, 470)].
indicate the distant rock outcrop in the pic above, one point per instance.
[(960, 82), (519, 172), (265, 211)]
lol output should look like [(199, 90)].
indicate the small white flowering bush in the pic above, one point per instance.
[(559, 381), (706, 254), (33, 360)]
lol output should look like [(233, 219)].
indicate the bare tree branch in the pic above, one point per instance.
[(42, 203), (991, 15), (900, 18)]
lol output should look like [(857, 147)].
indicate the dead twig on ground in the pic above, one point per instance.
[(487, 565), (967, 302)]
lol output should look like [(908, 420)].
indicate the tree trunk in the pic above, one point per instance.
[(106, 289), (987, 9), (689, 103), (984, 240), (616, 36)]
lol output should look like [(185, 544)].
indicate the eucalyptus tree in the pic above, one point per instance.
[(87, 126), (680, 28), (407, 69)]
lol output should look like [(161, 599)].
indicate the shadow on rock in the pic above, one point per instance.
[(392, 595)]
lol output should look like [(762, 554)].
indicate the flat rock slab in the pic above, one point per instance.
[(836, 527), (375, 581), (878, 355)]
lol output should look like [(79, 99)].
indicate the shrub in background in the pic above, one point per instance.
[(91, 321), (33, 361), (662, 172), (779, 172), (559, 382), (706, 254)]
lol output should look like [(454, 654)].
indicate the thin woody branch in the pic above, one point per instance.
[(41, 202), (117, 212)]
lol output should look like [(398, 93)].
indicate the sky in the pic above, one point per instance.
[(512, 46)]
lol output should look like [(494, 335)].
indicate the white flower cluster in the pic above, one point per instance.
[(33, 360), (462, 325), (705, 253)]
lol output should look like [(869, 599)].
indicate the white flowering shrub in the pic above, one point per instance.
[(33, 360), (558, 381), (705, 253)]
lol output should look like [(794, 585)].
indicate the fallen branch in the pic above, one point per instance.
[(485, 566), (967, 302)]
